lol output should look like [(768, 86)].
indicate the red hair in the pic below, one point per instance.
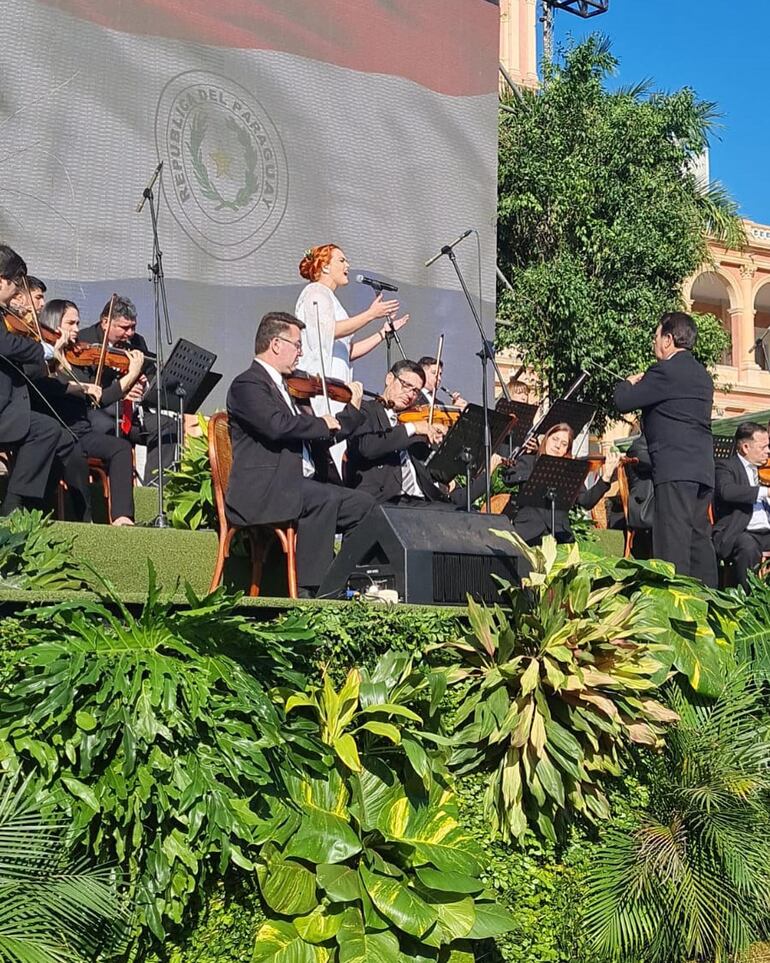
[(562, 426), (315, 259)]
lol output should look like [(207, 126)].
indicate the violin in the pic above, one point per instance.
[(764, 474), (86, 355), (446, 416), (311, 386), (79, 353)]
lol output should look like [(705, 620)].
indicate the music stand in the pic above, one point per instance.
[(555, 482), (462, 450), (182, 377), (723, 447), (524, 415)]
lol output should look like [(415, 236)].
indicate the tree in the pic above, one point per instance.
[(601, 219)]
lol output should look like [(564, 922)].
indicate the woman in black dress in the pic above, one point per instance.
[(532, 522)]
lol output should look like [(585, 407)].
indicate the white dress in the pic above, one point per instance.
[(335, 351)]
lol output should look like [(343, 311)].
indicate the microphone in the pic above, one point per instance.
[(148, 190), (374, 283), (448, 247)]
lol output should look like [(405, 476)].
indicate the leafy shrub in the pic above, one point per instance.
[(33, 555), (689, 881), (189, 492), (161, 748), (371, 863), (559, 682), (361, 632), (52, 910), (696, 623)]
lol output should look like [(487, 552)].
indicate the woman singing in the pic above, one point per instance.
[(326, 268), (532, 522)]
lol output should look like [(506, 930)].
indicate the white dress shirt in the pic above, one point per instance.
[(760, 519), (308, 468), (409, 483)]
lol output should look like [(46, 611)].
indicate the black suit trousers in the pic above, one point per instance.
[(326, 510), (117, 454), (747, 554), (681, 531)]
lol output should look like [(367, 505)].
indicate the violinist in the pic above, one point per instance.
[(281, 468), (32, 295), (434, 371), (120, 328), (386, 458), (742, 526), (532, 522), (74, 399), (36, 439)]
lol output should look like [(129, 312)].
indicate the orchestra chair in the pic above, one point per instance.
[(97, 471), (497, 503), (624, 494), (259, 536)]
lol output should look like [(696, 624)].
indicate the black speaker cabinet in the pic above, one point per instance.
[(428, 556)]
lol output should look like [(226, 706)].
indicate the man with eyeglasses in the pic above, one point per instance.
[(281, 465), (386, 458), (135, 423)]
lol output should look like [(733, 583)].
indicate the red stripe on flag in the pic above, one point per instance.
[(450, 46)]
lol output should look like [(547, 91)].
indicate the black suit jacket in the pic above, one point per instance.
[(103, 418), (532, 522), (640, 488), (267, 437), (733, 504), (675, 398), (374, 460), (14, 392)]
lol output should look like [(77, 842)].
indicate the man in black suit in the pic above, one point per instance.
[(386, 458), (36, 439), (281, 466), (136, 424), (675, 396), (742, 526)]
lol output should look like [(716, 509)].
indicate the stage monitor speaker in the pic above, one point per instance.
[(428, 556)]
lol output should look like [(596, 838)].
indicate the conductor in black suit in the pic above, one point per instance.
[(281, 465), (742, 526), (675, 396)]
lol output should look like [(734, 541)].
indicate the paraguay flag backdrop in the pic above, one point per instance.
[(281, 124)]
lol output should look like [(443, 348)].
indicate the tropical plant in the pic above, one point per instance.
[(752, 639), (52, 910), (162, 749), (189, 492), (689, 880), (601, 218), (697, 624), (557, 684), (370, 861), (34, 555)]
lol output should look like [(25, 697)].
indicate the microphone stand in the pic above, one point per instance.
[(391, 334), (486, 354), (158, 280)]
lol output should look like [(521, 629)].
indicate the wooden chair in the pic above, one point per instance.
[(624, 494), (259, 536), (497, 503)]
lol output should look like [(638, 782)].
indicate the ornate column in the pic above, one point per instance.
[(528, 42), (510, 53), (745, 359)]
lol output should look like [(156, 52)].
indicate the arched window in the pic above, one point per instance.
[(710, 294)]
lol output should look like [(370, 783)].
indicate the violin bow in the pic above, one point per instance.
[(321, 359), (35, 319), (103, 352), (439, 351)]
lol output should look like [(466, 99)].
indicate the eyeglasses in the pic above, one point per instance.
[(413, 389), (297, 344)]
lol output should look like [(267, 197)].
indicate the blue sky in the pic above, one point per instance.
[(718, 48)]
